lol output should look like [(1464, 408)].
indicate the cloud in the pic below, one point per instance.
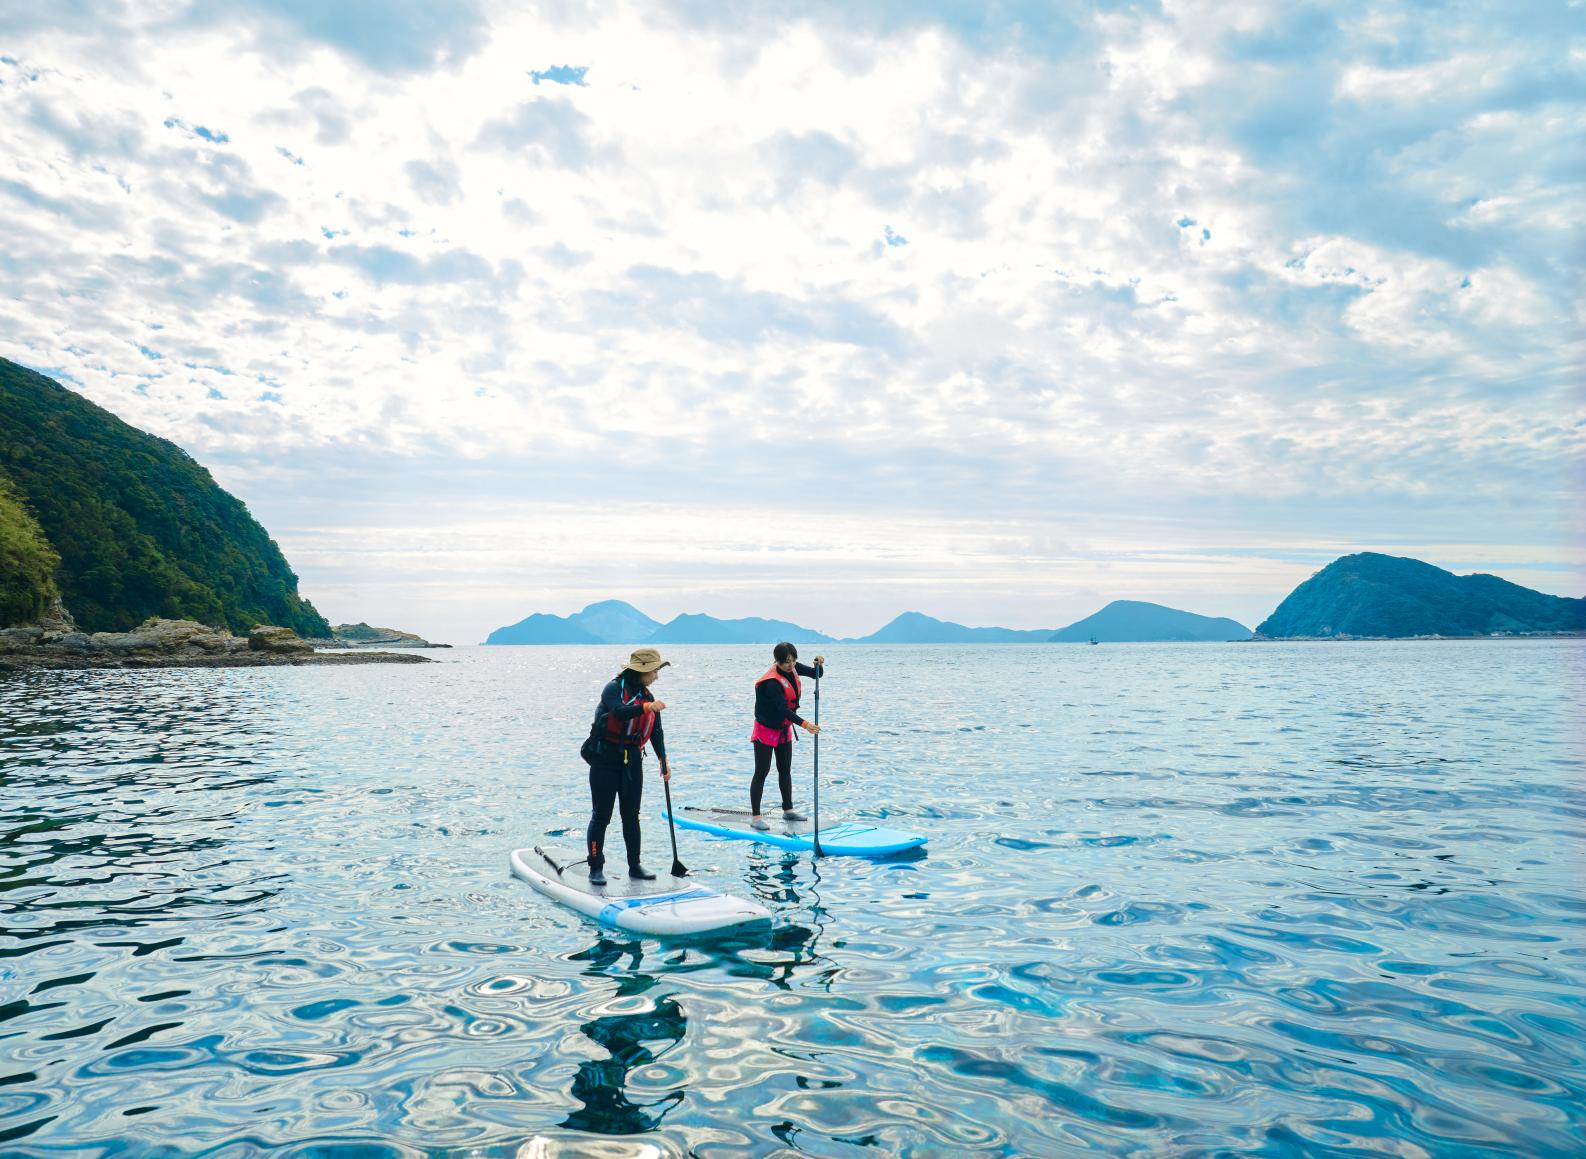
[(436, 183), (228, 187), (552, 131), (722, 311), (815, 156), (1098, 274), (86, 217), (316, 106), (393, 36), (386, 265), (1039, 27), (112, 135)]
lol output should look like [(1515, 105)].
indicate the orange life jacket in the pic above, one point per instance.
[(791, 688)]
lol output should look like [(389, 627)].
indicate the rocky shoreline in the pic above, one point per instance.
[(363, 635), (56, 643)]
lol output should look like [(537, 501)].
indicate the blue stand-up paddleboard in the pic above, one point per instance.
[(667, 907), (842, 838)]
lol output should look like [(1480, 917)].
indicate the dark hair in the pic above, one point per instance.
[(630, 676), (784, 652)]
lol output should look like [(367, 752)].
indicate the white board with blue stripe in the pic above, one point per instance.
[(667, 907)]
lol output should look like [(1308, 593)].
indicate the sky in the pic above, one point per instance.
[(821, 311)]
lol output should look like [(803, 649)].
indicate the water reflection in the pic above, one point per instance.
[(632, 1040), (790, 885)]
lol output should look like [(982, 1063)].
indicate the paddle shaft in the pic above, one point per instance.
[(817, 776), (678, 868)]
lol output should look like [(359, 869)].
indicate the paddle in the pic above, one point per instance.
[(818, 852), (678, 868)]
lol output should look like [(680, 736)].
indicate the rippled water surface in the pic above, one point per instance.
[(1185, 899)]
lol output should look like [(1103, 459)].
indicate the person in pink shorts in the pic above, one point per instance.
[(776, 714)]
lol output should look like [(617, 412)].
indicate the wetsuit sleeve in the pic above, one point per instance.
[(805, 670), (611, 701)]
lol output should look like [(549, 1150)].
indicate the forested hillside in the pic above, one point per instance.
[(1370, 594), (139, 527)]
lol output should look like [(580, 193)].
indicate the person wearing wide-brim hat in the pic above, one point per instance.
[(627, 718)]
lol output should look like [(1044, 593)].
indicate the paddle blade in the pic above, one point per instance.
[(679, 869)]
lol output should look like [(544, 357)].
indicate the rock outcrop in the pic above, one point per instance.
[(281, 641), (361, 635), (56, 642)]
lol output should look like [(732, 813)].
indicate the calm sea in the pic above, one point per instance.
[(1178, 899)]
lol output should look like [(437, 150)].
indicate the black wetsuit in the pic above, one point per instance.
[(772, 710), (617, 776)]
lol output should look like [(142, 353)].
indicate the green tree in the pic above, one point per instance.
[(27, 562)]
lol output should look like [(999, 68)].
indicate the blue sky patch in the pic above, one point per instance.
[(202, 132), (562, 74)]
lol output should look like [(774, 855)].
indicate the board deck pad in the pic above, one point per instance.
[(739, 819), (843, 838), (618, 883), (667, 906)]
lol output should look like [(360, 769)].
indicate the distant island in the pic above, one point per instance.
[(1374, 596), (1133, 622), (918, 628), (1362, 596), (699, 629), (617, 622), (118, 549)]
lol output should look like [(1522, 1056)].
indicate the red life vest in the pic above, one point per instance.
[(791, 688), (634, 731)]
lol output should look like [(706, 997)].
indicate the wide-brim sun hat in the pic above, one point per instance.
[(647, 660)]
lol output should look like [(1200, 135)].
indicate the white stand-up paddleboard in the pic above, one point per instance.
[(841, 838), (666, 907)]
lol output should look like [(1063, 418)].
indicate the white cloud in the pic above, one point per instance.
[(1197, 263)]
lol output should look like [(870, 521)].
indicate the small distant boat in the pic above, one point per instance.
[(1093, 640)]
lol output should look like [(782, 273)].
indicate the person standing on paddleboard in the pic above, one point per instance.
[(627, 718), (776, 713)]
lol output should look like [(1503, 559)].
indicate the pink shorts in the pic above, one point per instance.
[(771, 736)]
